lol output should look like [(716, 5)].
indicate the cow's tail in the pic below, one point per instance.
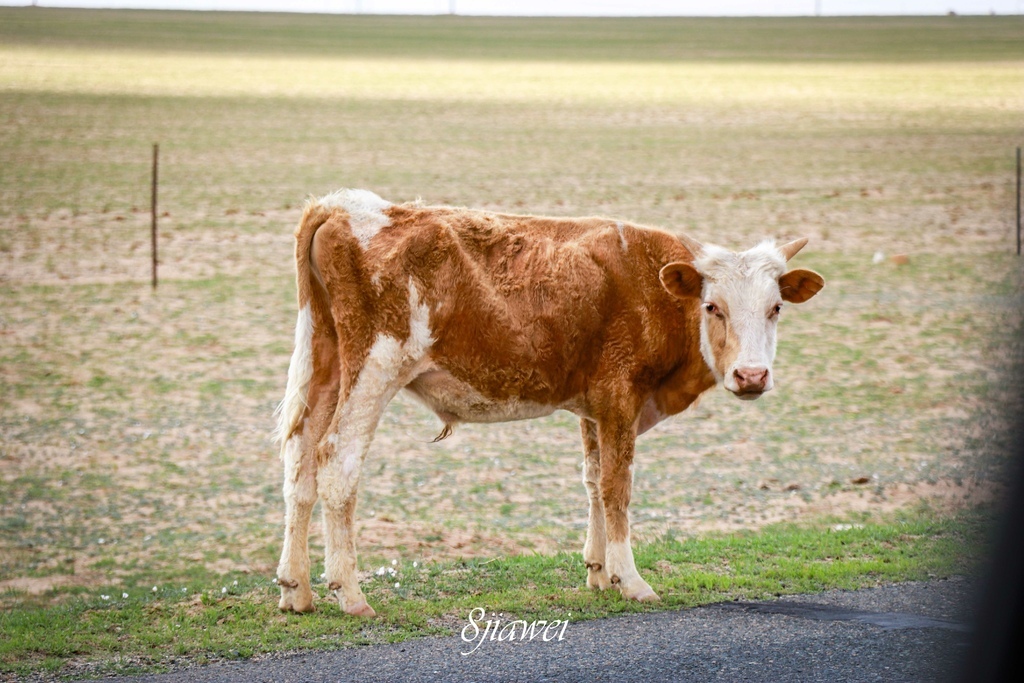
[(314, 309)]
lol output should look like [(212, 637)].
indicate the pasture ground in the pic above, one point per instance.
[(134, 452)]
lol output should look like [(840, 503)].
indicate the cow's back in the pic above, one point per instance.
[(520, 307)]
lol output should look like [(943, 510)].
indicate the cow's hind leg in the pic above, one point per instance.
[(306, 412), (299, 455), (593, 549), (341, 460)]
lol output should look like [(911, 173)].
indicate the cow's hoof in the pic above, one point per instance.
[(360, 609), (640, 592), (296, 599), (597, 579)]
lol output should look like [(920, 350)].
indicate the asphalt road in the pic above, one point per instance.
[(906, 632)]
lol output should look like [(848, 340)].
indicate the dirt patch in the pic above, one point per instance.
[(33, 585)]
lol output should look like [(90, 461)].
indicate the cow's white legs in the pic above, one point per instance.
[(299, 498), (342, 453), (337, 483), (616, 442), (594, 548), (342, 573), (306, 411)]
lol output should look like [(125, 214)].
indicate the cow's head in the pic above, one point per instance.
[(741, 296)]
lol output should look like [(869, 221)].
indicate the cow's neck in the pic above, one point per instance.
[(676, 393)]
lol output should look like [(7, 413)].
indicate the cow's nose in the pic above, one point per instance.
[(751, 380)]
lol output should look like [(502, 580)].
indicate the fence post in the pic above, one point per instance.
[(156, 156)]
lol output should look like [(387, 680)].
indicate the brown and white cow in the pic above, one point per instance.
[(488, 317)]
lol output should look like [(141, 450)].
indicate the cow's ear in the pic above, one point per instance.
[(799, 285), (682, 280)]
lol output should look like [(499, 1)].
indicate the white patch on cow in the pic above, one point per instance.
[(420, 336), (359, 417), (721, 265), (454, 400), (291, 455), (389, 365), (708, 353), (619, 562), (365, 210), (299, 497), (300, 372), (622, 237)]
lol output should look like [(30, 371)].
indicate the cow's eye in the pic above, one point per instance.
[(711, 308), (776, 310)]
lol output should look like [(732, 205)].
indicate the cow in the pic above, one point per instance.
[(492, 317)]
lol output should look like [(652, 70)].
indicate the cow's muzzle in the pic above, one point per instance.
[(750, 383)]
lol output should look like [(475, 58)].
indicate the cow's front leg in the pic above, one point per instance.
[(617, 440), (594, 547)]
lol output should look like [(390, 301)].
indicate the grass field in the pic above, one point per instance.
[(135, 453)]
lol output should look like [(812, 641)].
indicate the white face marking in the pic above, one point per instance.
[(365, 210), (300, 372), (744, 290)]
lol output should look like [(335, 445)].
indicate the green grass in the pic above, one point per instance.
[(235, 616)]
